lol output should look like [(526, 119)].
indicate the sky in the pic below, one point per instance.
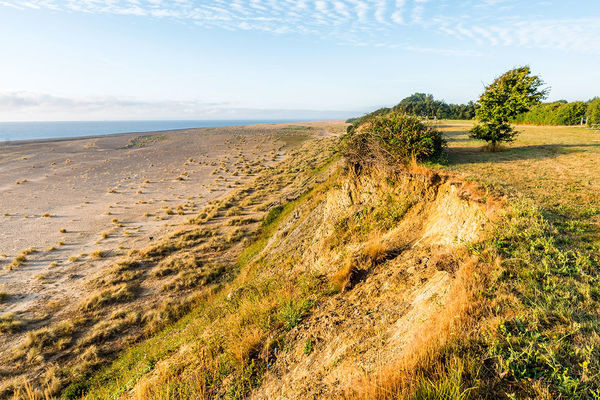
[(77, 60)]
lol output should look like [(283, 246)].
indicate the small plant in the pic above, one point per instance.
[(29, 250), (19, 260), (10, 323), (46, 215), (98, 254), (308, 347), (62, 230)]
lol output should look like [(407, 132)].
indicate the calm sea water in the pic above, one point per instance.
[(44, 130)]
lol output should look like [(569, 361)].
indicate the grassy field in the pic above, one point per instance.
[(538, 333)]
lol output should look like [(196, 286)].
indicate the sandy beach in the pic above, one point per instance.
[(70, 209), (66, 198)]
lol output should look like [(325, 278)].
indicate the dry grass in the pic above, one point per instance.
[(407, 378), (10, 322), (98, 254), (118, 293), (105, 330), (28, 251), (186, 282)]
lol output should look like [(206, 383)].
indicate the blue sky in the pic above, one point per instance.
[(243, 59)]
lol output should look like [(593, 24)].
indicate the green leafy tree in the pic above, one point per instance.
[(593, 112), (511, 94)]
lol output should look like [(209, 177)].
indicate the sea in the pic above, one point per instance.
[(11, 131)]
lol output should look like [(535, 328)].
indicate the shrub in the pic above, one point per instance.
[(393, 138), (593, 112), (556, 113), (272, 215)]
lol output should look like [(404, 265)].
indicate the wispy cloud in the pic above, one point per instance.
[(574, 34), (38, 106), (370, 22)]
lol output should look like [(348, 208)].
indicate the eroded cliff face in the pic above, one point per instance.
[(394, 248)]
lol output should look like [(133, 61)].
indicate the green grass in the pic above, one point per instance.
[(541, 335)]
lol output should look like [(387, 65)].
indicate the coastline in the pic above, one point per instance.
[(64, 199), (207, 125)]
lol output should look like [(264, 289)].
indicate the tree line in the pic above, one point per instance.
[(552, 113), (426, 106), (562, 113)]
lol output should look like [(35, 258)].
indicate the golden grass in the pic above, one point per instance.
[(98, 254), (117, 293)]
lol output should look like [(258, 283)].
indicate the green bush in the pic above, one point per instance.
[(272, 215), (393, 138), (593, 112), (555, 113)]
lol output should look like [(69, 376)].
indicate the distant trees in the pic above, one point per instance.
[(593, 111), (425, 105), (513, 93), (555, 113), (422, 105)]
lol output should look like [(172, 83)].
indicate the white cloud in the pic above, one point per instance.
[(574, 34)]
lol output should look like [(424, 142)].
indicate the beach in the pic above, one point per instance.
[(71, 207)]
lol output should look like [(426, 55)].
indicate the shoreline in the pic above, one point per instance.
[(139, 132)]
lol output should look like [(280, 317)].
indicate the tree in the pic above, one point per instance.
[(593, 112), (511, 94)]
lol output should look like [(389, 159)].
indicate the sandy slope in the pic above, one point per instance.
[(85, 184)]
